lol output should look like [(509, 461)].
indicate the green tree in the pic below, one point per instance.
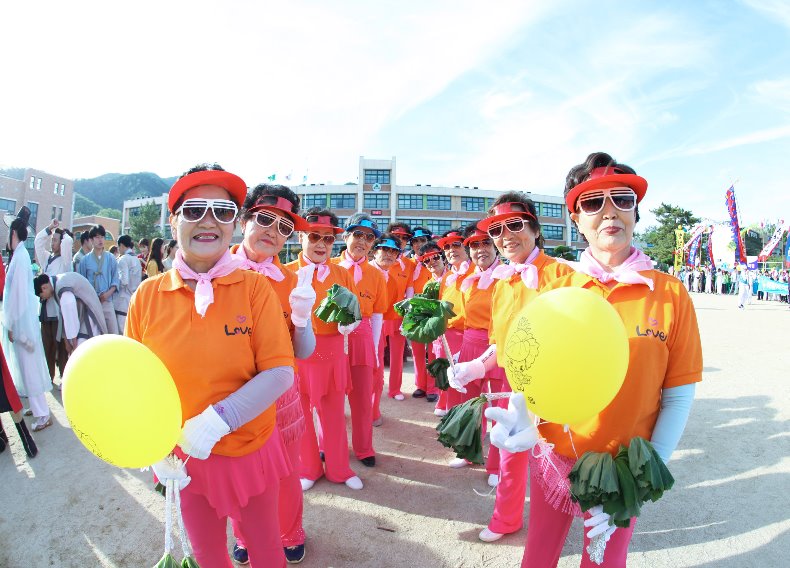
[(109, 212), (563, 252), (661, 238), (84, 206), (144, 222)]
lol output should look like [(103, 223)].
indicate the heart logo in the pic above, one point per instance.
[(653, 321), (241, 319)]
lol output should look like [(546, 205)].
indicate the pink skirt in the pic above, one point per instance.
[(326, 370), (454, 340), (360, 346), (228, 483), (290, 418), (475, 343)]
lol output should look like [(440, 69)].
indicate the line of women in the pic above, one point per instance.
[(250, 426)]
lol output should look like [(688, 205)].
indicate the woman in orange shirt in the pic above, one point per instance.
[(363, 343), (197, 317), (432, 259), (452, 243), (420, 276), (269, 216), (324, 377)]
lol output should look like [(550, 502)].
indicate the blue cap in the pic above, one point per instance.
[(366, 224), (389, 243), (421, 233)]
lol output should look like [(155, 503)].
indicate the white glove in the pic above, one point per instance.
[(464, 373), (348, 329), (515, 429), (456, 356), (201, 432), (302, 299), (173, 468), (600, 523)]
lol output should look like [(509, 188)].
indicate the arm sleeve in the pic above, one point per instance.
[(304, 341), (257, 394), (376, 322), (68, 309), (684, 365), (66, 244), (675, 408), (40, 244), (113, 264), (123, 273)]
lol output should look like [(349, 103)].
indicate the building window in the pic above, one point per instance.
[(342, 201), (438, 202), (38, 184), (314, 200), (473, 203), (341, 222), (410, 202), (551, 210), (57, 186), (553, 232), (377, 201), (575, 235), (54, 211), (108, 236), (60, 213), (438, 226), (381, 222), (377, 176), (549, 251), (32, 182), (7, 205), (33, 213), (63, 189)]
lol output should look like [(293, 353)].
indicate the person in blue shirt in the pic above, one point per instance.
[(101, 270)]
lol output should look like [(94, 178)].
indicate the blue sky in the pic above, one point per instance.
[(505, 95)]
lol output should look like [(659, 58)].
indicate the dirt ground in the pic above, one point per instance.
[(729, 507)]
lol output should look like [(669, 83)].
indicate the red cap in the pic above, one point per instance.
[(231, 182), (504, 211), (401, 232), (282, 206), (322, 222), (478, 235), (429, 254), (603, 176), (454, 236)]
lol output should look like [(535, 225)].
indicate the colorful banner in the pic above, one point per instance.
[(787, 252), (679, 236), (695, 232), (765, 284), (710, 249), (732, 209), (693, 250), (775, 239)]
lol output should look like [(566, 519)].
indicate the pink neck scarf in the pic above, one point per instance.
[(321, 268), (485, 278), (528, 271), (455, 273), (204, 292), (347, 262), (627, 273), (400, 261), (267, 267), (384, 273), (417, 270)]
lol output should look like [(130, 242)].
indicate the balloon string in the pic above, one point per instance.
[(496, 395), (186, 547)]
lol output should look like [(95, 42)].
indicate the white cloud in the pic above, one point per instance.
[(775, 9)]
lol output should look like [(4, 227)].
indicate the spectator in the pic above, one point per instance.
[(101, 270), (86, 245), (130, 274), (153, 265)]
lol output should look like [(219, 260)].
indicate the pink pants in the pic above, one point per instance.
[(331, 414), (390, 330), (257, 525), (454, 340), (422, 380), (361, 411), (548, 528), (508, 514), (493, 459)]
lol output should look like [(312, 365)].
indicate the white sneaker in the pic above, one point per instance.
[(439, 412), (493, 480), (399, 396), (489, 535), (458, 463), (306, 483), (354, 483)]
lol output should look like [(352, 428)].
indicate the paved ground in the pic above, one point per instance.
[(729, 507)]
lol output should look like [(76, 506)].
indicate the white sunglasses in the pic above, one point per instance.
[(592, 202), (193, 210)]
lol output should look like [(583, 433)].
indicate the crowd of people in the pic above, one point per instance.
[(740, 281), (249, 426)]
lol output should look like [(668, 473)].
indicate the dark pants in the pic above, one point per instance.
[(54, 350)]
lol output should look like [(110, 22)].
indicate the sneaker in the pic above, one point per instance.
[(440, 412), (294, 554), (41, 423), (456, 463), (369, 461), (354, 483), (306, 483), (432, 398), (419, 393), (493, 480), (487, 535), (240, 555), (399, 396), (378, 421)]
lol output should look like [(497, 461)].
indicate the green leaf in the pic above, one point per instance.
[(461, 430), (167, 561), (431, 290), (340, 306), (424, 320), (189, 562), (438, 370)]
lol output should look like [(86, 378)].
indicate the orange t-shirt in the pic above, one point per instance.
[(243, 326), (665, 352), (337, 275), (399, 279), (371, 289), (282, 288), (510, 296), (453, 295), (421, 278)]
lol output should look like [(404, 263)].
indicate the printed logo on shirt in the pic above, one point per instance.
[(365, 294), (651, 330), (239, 327)]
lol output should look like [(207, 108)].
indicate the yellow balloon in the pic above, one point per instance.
[(567, 351), (121, 401)]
